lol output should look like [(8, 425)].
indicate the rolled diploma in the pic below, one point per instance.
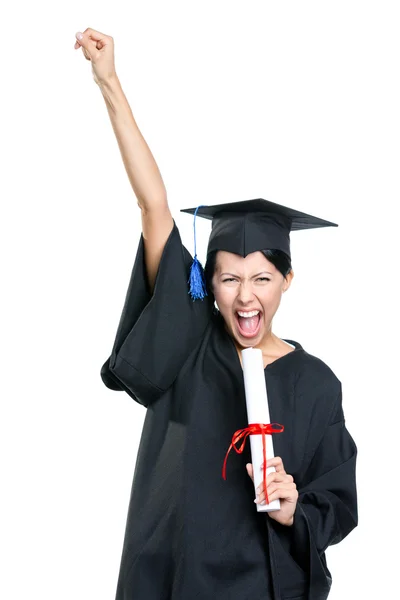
[(258, 412)]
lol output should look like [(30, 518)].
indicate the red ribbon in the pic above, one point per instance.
[(253, 429)]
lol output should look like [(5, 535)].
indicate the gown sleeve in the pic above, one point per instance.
[(326, 509), (156, 332)]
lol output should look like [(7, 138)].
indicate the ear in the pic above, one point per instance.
[(287, 280)]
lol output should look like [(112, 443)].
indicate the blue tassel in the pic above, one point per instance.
[(196, 278), (197, 281)]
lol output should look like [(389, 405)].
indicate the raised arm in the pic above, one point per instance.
[(158, 327), (143, 174), (141, 168)]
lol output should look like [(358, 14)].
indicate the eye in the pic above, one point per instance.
[(228, 279), (263, 279)]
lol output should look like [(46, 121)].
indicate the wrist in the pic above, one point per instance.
[(109, 83), (290, 522)]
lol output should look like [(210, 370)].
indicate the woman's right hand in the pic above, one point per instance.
[(99, 49)]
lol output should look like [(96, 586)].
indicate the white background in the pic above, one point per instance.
[(293, 101)]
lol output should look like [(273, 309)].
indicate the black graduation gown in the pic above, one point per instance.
[(189, 533)]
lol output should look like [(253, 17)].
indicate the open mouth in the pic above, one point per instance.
[(248, 322)]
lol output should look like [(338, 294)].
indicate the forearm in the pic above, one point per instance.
[(141, 168)]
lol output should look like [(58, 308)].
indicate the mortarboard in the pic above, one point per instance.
[(248, 226)]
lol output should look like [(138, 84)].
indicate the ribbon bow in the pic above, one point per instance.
[(253, 429)]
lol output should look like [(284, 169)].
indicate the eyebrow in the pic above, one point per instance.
[(257, 274)]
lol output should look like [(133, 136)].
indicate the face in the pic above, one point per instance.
[(248, 292)]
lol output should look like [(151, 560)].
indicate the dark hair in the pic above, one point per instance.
[(277, 257)]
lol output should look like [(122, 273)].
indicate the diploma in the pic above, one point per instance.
[(258, 412)]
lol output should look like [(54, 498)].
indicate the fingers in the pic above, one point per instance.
[(279, 483), (91, 38), (99, 49), (84, 43), (286, 492), (277, 478), (276, 462), (89, 46), (276, 481), (96, 35)]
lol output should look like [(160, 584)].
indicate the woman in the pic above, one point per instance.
[(189, 533)]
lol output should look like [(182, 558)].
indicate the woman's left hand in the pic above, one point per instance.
[(279, 485)]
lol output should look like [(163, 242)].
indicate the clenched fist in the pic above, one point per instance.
[(279, 485), (99, 49)]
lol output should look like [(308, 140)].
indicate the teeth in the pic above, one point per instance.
[(247, 315)]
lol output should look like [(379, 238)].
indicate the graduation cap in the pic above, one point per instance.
[(245, 227)]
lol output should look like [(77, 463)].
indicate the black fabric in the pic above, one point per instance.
[(252, 225), (190, 534), (156, 332)]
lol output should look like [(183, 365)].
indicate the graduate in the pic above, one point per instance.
[(191, 534)]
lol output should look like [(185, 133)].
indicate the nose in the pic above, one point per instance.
[(245, 293)]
